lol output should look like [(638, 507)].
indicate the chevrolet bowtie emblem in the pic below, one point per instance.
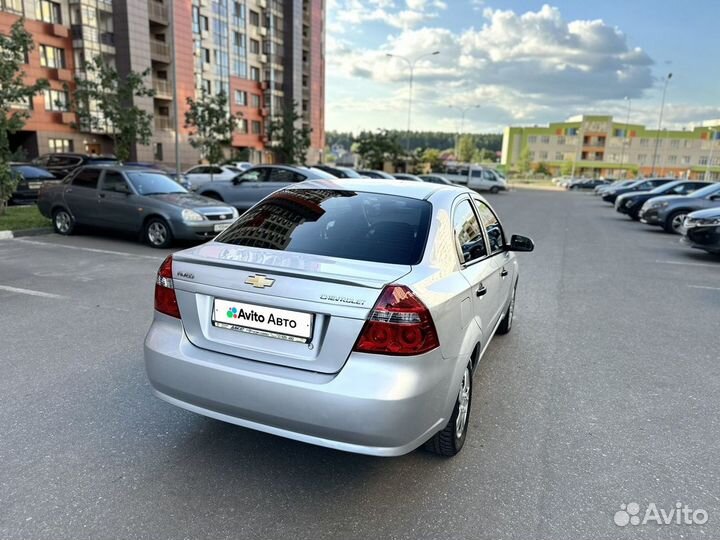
[(259, 281)]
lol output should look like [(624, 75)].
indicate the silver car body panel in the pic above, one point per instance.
[(327, 394)]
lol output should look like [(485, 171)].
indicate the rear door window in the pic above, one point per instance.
[(87, 178), (284, 175), (336, 223)]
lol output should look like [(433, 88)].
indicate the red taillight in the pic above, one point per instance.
[(399, 324), (165, 299)]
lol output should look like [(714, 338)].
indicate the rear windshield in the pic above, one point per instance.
[(345, 224)]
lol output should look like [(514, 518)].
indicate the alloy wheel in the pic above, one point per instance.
[(463, 404), (157, 233), (677, 222), (62, 221)]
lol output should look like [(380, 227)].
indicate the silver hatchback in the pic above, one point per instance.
[(348, 314)]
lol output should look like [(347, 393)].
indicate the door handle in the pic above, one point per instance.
[(504, 273), (481, 290), (101, 195), (68, 190)]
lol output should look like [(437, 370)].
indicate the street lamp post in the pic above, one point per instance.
[(626, 138), (463, 112), (710, 157), (411, 65), (660, 118)]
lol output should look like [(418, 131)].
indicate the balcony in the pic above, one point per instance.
[(163, 88), (159, 51), (163, 123), (157, 12)]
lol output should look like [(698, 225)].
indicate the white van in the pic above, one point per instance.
[(480, 179)]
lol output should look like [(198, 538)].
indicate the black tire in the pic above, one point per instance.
[(63, 222), (213, 195), (674, 220), (157, 233), (507, 322), (449, 442), (494, 190)]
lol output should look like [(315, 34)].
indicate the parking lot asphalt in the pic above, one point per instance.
[(604, 393)]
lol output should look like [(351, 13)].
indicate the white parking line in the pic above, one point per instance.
[(704, 287), (91, 250), (689, 263), (30, 292)]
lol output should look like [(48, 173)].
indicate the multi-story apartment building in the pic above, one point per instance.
[(602, 147), (266, 55)]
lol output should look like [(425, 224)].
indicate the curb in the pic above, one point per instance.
[(9, 235)]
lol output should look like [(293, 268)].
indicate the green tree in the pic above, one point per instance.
[(541, 168), (566, 167), (375, 148), (525, 161), (431, 156), (14, 93), (290, 143), (466, 148), (105, 101), (211, 125)]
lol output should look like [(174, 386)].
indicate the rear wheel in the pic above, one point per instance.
[(63, 222), (674, 221), (157, 233), (494, 189), (451, 439)]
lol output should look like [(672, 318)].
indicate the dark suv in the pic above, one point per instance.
[(60, 165)]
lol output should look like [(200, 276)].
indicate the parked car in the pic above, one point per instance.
[(243, 165), (480, 179), (253, 185), (591, 183), (339, 172), (30, 180), (63, 163), (599, 190), (640, 185), (701, 230), (180, 178), (133, 199), (630, 203), (334, 313), (669, 211), (435, 179), (409, 177), (369, 173), (203, 174)]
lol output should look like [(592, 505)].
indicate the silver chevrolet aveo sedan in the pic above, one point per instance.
[(348, 314)]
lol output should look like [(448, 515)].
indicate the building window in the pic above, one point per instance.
[(240, 98), (686, 160), (672, 160), (256, 129), (240, 68), (255, 101), (243, 126), (674, 143), (158, 151), (56, 100), (254, 46), (703, 160), (254, 18), (543, 155), (644, 142), (254, 73), (60, 145), (239, 39), (561, 140), (13, 6), (572, 131), (204, 23), (642, 158), (48, 11), (206, 86), (196, 19), (532, 139), (559, 156), (52, 57), (206, 55), (545, 139), (239, 10)]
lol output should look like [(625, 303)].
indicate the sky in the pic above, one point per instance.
[(520, 62)]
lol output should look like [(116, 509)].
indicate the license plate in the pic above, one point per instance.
[(220, 227), (34, 185), (263, 320)]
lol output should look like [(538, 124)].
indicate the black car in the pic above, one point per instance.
[(701, 230), (631, 203), (30, 180), (641, 185), (62, 164), (587, 184), (339, 172)]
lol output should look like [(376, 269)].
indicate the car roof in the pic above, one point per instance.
[(121, 168), (401, 188)]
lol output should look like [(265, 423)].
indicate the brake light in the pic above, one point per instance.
[(400, 324), (165, 299)]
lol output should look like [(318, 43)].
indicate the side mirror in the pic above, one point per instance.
[(715, 197), (521, 243), (237, 180)]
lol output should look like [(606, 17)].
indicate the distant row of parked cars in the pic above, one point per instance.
[(161, 206), (690, 208)]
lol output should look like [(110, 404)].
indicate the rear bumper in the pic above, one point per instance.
[(375, 405)]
